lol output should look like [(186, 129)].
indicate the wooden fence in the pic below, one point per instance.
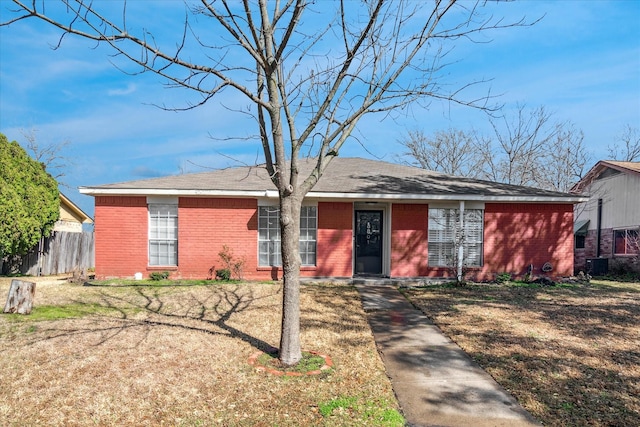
[(63, 252)]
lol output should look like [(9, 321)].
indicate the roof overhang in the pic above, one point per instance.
[(601, 166), (93, 191), (86, 219)]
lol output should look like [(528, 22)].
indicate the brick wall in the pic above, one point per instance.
[(518, 235), (606, 242), (206, 225), (409, 223), (616, 263), (515, 236), (589, 251), (121, 225), (335, 241)]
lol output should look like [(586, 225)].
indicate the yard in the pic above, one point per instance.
[(178, 355), (569, 354)]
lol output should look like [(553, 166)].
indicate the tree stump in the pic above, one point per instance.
[(20, 299)]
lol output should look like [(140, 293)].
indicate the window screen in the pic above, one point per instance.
[(626, 242), (163, 235), (445, 235), (269, 236)]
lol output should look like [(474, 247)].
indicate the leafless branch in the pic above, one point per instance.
[(627, 146), (525, 148)]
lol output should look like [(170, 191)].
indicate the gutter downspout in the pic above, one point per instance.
[(599, 228)]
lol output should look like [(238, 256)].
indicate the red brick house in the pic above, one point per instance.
[(364, 217)]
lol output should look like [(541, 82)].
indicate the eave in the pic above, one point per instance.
[(86, 219), (272, 194)]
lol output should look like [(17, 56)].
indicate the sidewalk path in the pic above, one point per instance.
[(437, 384)]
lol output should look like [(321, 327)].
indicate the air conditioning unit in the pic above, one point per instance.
[(598, 266)]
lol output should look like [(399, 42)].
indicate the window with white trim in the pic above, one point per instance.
[(308, 231), (269, 236), (626, 242), (445, 236), (163, 235)]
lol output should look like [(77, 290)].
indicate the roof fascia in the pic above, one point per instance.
[(96, 191), (450, 197), (579, 186), (325, 195), (86, 219)]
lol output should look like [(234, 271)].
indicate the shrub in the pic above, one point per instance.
[(223, 274), (503, 278), (231, 263), (159, 275)]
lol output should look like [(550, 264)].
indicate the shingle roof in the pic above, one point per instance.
[(600, 167), (344, 177), (631, 166)]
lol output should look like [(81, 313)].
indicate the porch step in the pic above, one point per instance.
[(373, 281)]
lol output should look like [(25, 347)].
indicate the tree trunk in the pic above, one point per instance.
[(290, 348), (20, 299)]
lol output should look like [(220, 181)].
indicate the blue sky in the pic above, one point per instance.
[(581, 61)]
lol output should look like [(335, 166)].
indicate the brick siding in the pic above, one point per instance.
[(205, 225), (619, 262), (120, 231), (515, 236), (409, 240), (519, 235), (335, 241)]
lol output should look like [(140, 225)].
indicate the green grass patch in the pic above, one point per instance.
[(625, 277), (609, 285), (58, 312), (159, 283), (527, 285), (369, 412), (309, 362), (386, 417), (343, 403)]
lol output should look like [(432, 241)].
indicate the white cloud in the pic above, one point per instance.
[(131, 88)]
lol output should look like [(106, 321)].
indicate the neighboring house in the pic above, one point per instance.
[(71, 217), (607, 225), (363, 218), (68, 248)]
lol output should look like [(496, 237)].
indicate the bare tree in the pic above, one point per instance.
[(526, 148), (512, 154), (50, 155), (451, 151), (565, 159), (627, 147), (309, 84)]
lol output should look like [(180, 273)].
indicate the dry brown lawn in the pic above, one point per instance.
[(570, 355), (177, 355)]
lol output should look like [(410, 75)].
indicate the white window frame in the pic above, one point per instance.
[(162, 233), (444, 231), (269, 236), (309, 235)]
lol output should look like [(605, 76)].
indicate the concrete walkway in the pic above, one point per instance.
[(436, 383)]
